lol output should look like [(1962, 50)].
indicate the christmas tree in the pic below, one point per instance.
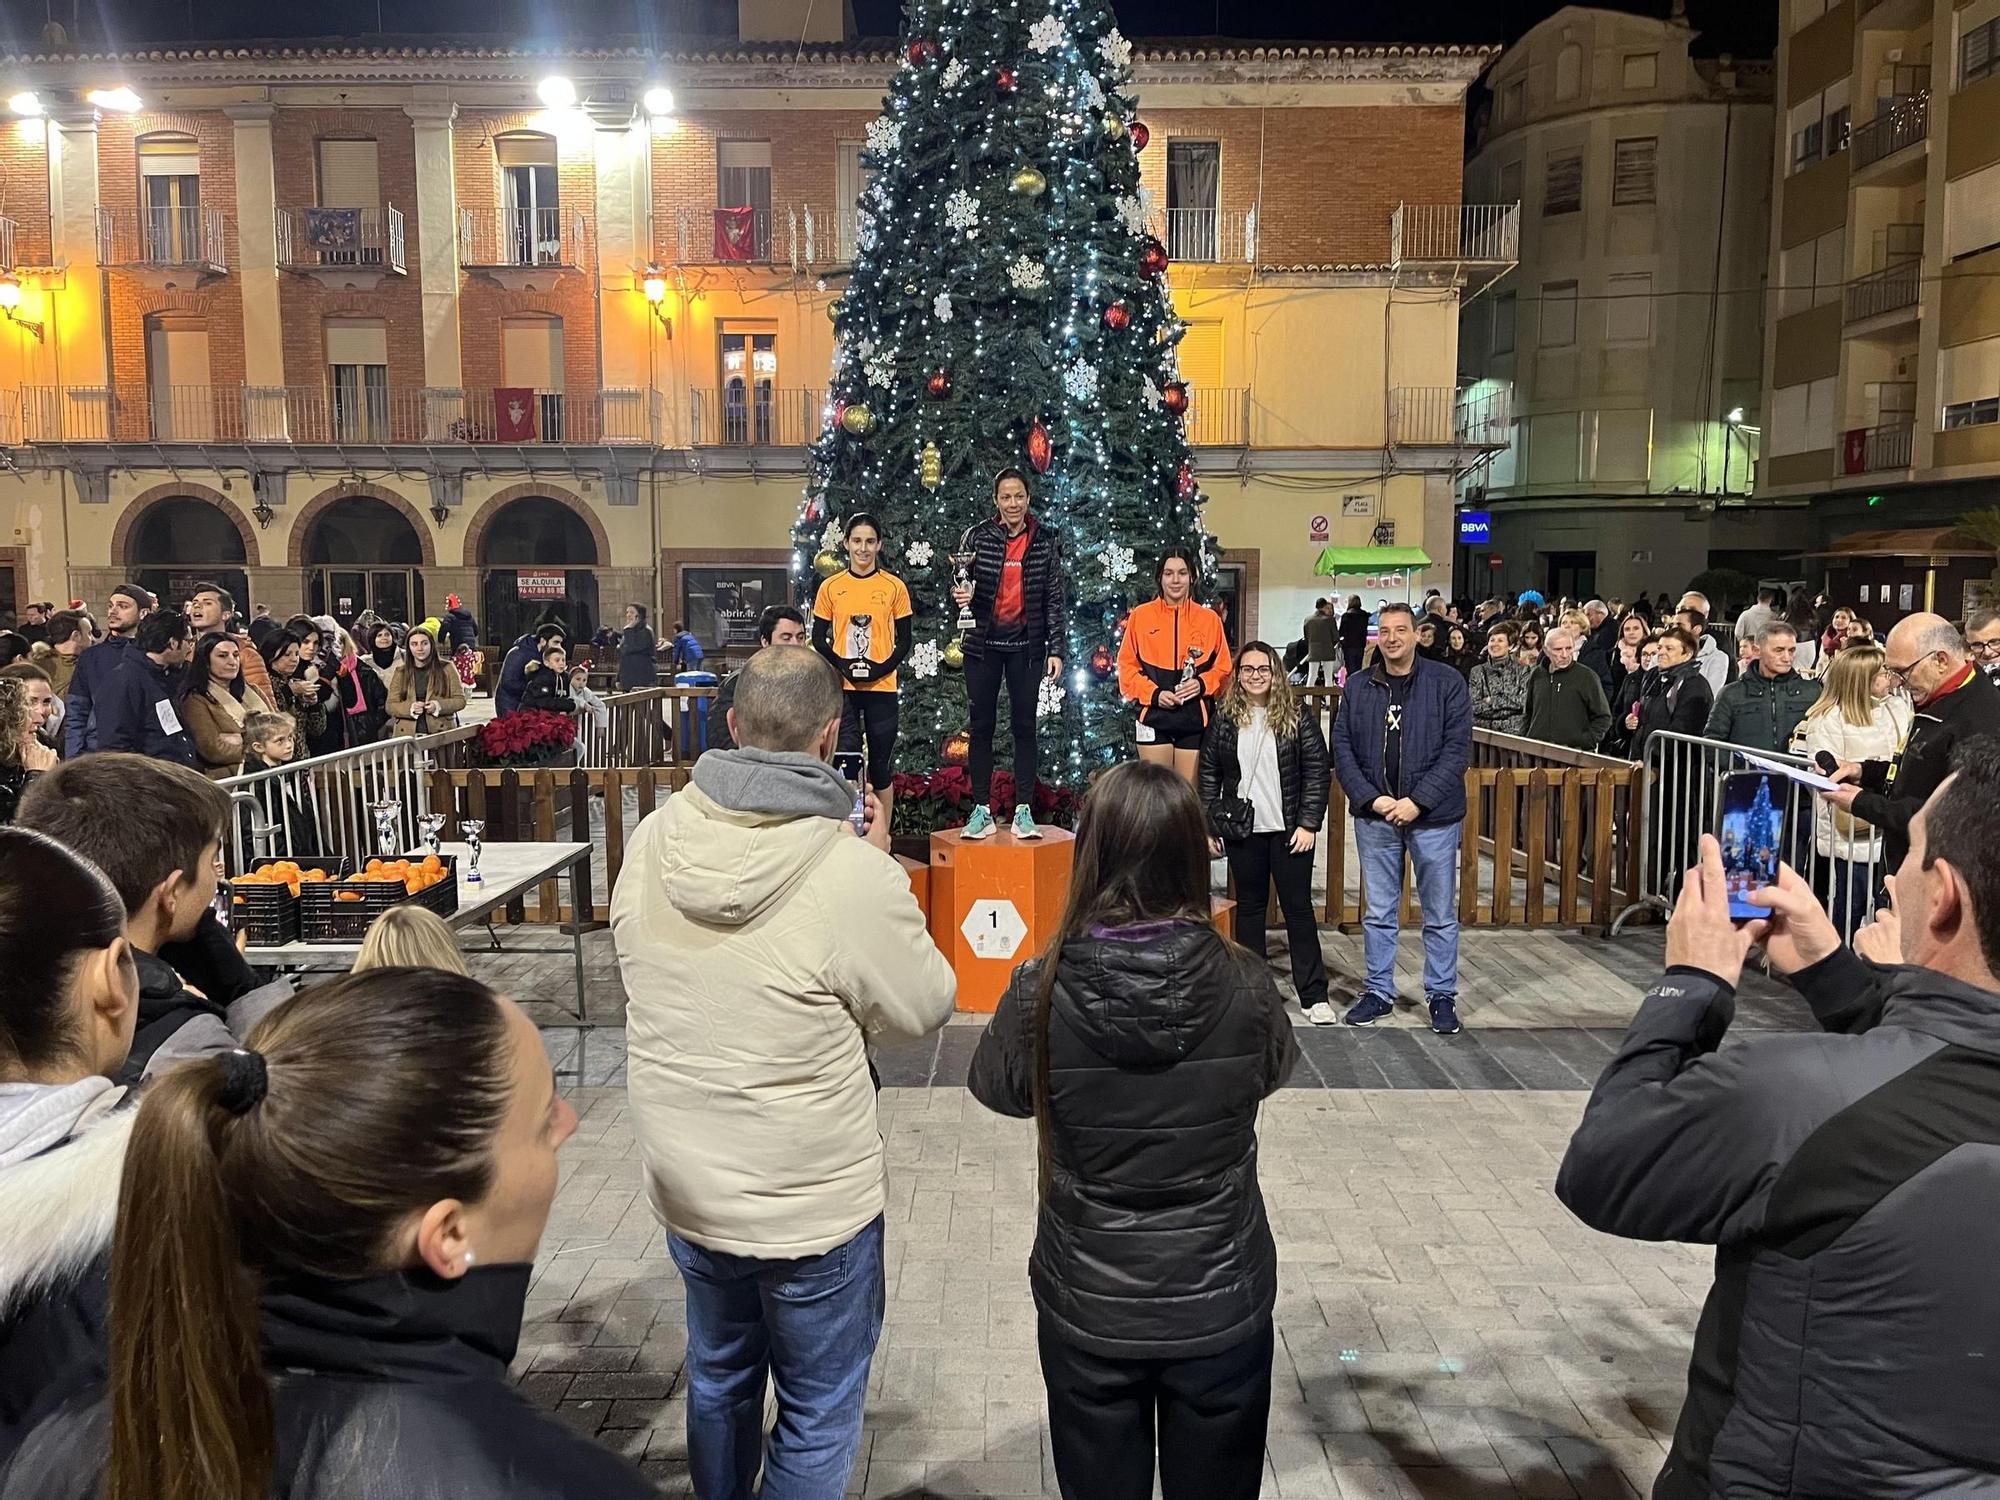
[(1008, 309)]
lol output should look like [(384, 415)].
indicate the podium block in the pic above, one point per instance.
[(994, 903), (1222, 912)]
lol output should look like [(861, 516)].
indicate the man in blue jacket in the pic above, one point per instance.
[(1400, 746), (514, 668), (128, 605), (139, 704)]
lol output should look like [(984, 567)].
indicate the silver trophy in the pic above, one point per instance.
[(1188, 666), (961, 578), (388, 837), (860, 632), (469, 829), (429, 825)]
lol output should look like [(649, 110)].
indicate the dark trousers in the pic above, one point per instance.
[(1205, 1417), (1021, 670), (1255, 863)]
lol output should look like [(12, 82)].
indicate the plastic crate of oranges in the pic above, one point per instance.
[(340, 910)]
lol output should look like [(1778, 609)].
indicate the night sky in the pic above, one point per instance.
[(1748, 27)]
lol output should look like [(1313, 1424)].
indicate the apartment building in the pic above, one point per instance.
[(364, 328), (1883, 358), (1632, 329)]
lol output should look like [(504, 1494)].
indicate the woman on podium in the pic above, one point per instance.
[(1142, 1044), (1172, 663), (862, 625)]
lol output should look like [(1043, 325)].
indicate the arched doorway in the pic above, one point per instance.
[(538, 561), (184, 541), (360, 554)]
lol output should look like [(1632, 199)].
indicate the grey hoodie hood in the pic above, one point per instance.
[(36, 1116), (752, 825), (61, 1204)]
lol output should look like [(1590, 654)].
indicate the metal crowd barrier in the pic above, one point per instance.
[(1683, 800)]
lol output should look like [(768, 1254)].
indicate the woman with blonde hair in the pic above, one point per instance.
[(424, 691), (410, 937), (1857, 718), (1263, 781)]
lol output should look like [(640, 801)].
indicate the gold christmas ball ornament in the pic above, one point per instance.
[(954, 652), (932, 470), (1028, 183), (858, 420), (1114, 126), (827, 564)]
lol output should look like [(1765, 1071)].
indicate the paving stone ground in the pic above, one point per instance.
[(1445, 1327)]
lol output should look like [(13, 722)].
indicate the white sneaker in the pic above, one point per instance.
[(1322, 1014)]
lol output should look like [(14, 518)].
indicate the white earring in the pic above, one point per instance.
[(469, 1257)]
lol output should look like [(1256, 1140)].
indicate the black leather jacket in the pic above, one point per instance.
[(1302, 770)]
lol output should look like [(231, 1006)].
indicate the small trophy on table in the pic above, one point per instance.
[(429, 825), (469, 829), (388, 838)]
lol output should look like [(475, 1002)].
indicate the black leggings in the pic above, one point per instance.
[(1021, 670), (871, 716)]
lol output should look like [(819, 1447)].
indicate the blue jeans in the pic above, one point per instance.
[(812, 1324), (1434, 852)]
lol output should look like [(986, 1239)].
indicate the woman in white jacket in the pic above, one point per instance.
[(1854, 720)]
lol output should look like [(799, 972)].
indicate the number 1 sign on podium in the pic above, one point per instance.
[(994, 903)]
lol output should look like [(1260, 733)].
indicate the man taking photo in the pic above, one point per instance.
[(1844, 1179)]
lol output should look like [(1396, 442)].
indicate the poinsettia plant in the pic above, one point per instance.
[(929, 801), (525, 738)]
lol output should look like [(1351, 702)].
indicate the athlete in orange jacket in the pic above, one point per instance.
[(1173, 661)]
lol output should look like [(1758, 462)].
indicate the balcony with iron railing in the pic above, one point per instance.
[(765, 416), (499, 239), (341, 240), (1897, 124), (1474, 244), (161, 239), (797, 235), (9, 231), (336, 416), (1210, 236), (1868, 450), (1447, 416), (1891, 289)]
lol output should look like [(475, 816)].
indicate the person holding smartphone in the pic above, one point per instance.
[(862, 624)]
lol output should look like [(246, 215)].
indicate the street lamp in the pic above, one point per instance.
[(654, 285), (10, 300), (556, 92), (659, 101)]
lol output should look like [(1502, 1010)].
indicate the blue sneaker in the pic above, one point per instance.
[(1369, 1009), (980, 825), (1024, 824), (1444, 1014)]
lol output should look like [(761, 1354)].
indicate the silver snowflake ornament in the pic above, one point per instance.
[(1049, 700), (829, 539), (1093, 92), (924, 659), (953, 74), (881, 371), (1132, 214), (1154, 400), (919, 556), (941, 308), (1047, 34), (1028, 274), (1080, 380), (1118, 563), (864, 230), (1115, 50), (961, 210), (884, 135)]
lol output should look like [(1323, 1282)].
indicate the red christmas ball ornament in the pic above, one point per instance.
[(921, 51), (1101, 661), (1140, 135), (1004, 79), (1041, 452), (1118, 316), (1184, 482), (939, 385), (1175, 397), (1153, 259)]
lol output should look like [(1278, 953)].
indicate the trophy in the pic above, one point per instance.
[(470, 829), (428, 827), (961, 578), (388, 840), (1188, 666), (860, 631)]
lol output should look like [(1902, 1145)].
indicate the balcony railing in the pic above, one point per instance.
[(335, 416), (1218, 417), (1903, 123), (161, 237), (1445, 416), (1864, 450), (796, 235), (1884, 291), (1207, 235), (313, 239), (502, 237), (758, 417), (1461, 233), (8, 230)]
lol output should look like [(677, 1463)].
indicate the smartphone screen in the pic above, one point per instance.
[(848, 763), (1752, 837)]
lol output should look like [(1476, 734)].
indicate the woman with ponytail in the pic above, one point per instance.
[(1142, 1044), (324, 1245)]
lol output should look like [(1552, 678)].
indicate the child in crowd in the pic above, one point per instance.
[(410, 937), (270, 741)]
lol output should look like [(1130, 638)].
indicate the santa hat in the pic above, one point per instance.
[(451, 601)]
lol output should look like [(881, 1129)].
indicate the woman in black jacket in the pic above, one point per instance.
[(322, 1260), (1265, 757), (1142, 1047), (638, 652)]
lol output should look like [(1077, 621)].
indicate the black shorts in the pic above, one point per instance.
[(871, 715)]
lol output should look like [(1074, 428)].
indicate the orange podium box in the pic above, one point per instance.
[(994, 903)]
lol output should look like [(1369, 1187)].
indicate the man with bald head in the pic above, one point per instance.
[(1925, 656)]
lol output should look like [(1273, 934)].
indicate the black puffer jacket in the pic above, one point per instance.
[(1850, 1347), (385, 1389), (1163, 1040), (1893, 791), (1042, 615), (1303, 772)]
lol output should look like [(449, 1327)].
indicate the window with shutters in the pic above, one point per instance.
[(531, 358), (1634, 170), (169, 199), (1819, 125), (530, 199), (743, 182), (1972, 212), (1503, 323), (1628, 309), (348, 179), (1200, 355), (1969, 383), (1558, 314), (177, 380), (357, 366), (851, 177), (749, 354), (1978, 51), (1562, 185)]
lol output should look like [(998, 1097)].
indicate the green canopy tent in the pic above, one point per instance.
[(1372, 562)]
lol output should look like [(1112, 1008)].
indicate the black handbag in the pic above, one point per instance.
[(1234, 817)]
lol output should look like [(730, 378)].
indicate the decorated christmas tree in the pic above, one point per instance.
[(1008, 308)]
